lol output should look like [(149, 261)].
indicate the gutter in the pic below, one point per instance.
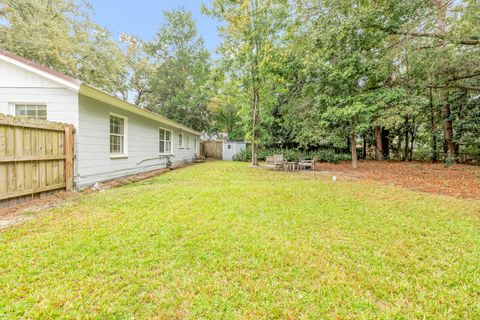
[(119, 103)]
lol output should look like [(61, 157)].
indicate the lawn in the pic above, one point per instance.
[(224, 241)]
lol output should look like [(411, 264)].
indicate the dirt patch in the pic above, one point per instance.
[(460, 181)]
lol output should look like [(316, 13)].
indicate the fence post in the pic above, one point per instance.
[(69, 158)]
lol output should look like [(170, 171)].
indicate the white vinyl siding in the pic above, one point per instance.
[(33, 111), (117, 135), (22, 87), (91, 118), (141, 137), (165, 141)]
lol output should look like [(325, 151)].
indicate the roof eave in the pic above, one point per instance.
[(119, 103)]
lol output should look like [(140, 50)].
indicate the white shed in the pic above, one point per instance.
[(231, 148), (113, 138)]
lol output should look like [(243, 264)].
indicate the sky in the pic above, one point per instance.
[(142, 18)]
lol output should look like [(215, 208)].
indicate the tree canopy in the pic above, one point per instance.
[(379, 79)]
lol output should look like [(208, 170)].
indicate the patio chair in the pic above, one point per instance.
[(199, 158), (304, 164), (278, 161), (270, 162)]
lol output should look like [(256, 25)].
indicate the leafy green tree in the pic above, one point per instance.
[(226, 110), (140, 70), (179, 87), (250, 31), (441, 43)]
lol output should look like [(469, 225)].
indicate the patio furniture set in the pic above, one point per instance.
[(277, 162)]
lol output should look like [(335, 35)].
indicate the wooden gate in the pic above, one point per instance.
[(36, 156), (212, 149)]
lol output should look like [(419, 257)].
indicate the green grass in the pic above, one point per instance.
[(223, 241)]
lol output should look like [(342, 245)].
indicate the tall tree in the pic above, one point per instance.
[(250, 33), (442, 41), (140, 70), (226, 110), (180, 83)]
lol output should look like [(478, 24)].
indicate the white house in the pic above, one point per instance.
[(113, 138)]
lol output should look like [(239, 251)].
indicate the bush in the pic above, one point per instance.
[(243, 155), (293, 155)]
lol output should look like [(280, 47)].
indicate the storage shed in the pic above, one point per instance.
[(231, 148)]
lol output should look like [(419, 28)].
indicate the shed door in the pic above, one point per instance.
[(228, 150)]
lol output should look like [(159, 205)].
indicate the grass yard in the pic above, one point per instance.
[(224, 241)]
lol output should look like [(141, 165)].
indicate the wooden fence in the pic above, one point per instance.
[(212, 149), (36, 156)]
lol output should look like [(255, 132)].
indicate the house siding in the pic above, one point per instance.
[(91, 121), (21, 86), (25, 87), (13, 76), (93, 144)]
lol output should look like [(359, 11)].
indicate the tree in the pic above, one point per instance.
[(225, 109), (348, 66), (442, 42), (180, 82), (59, 34), (140, 70), (251, 31)]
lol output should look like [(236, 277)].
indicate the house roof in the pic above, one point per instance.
[(81, 88)]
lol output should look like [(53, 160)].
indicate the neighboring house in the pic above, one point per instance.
[(113, 138), (217, 136), (231, 148)]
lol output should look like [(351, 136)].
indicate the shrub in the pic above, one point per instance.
[(326, 155), (243, 155)]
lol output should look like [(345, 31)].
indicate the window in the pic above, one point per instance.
[(165, 141), (34, 111), (229, 146), (117, 136), (195, 144), (187, 141), (180, 140)]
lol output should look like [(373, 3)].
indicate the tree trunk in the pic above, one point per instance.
[(378, 144), (412, 135), (385, 143), (364, 148), (451, 148), (255, 122), (405, 149), (398, 152), (354, 150), (433, 128)]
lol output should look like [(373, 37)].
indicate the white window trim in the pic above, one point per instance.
[(195, 144), (12, 110), (187, 142), (125, 137), (171, 142), (181, 142)]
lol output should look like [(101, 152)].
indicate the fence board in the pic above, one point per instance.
[(35, 156), (212, 149)]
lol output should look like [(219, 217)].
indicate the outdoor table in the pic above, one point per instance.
[(290, 166)]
